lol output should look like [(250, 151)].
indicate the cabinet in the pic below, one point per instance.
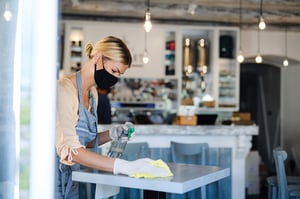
[(76, 55), (73, 51), (228, 70), (209, 78), (170, 58), (210, 75)]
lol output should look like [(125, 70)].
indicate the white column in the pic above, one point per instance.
[(44, 23)]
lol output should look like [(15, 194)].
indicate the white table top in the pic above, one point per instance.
[(186, 177)]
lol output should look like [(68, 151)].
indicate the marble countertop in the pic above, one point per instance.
[(163, 130)]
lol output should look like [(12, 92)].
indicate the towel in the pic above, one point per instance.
[(157, 163)]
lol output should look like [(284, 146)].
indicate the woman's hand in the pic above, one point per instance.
[(125, 131), (143, 166)]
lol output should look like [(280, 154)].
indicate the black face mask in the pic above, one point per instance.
[(104, 79)]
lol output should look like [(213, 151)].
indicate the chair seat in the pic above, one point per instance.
[(272, 180), (294, 190)]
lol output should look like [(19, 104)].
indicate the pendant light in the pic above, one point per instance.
[(240, 57), (145, 56), (261, 23), (258, 58), (147, 24), (285, 61), (7, 13)]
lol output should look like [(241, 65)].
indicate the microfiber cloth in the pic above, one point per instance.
[(157, 163)]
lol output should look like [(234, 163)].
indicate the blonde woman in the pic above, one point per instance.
[(76, 127)]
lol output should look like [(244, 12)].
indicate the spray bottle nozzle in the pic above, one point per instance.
[(130, 131)]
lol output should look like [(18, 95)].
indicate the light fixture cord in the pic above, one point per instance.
[(285, 42), (145, 41), (147, 5), (261, 4), (258, 40), (240, 24)]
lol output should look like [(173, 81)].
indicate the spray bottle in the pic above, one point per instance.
[(117, 146)]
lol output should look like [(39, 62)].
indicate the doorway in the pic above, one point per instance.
[(260, 95)]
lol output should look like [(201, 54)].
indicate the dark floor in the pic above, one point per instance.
[(262, 195)]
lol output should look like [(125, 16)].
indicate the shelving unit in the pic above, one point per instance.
[(193, 85), (76, 55), (166, 54), (228, 70), (170, 54), (73, 43), (227, 84), (222, 77)]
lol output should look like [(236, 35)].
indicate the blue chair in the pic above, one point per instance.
[(190, 153), (273, 185), (285, 191)]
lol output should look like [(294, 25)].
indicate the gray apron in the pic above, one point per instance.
[(86, 130)]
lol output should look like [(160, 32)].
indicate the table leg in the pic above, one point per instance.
[(154, 194), (105, 191)]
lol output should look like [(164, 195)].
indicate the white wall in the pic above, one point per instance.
[(273, 43)]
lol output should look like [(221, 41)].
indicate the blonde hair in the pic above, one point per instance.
[(112, 48)]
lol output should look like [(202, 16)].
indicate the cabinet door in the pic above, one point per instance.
[(228, 71)]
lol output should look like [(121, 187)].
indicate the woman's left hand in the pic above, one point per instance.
[(125, 131)]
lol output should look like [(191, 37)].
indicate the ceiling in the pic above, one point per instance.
[(278, 14)]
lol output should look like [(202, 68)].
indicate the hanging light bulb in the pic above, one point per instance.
[(285, 61), (240, 57), (147, 24), (192, 8), (7, 13), (261, 23), (145, 57), (258, 59)]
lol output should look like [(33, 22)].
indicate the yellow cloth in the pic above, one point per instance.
[(157, 163)]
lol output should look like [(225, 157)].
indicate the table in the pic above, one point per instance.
[(237, 138), (186, 177)]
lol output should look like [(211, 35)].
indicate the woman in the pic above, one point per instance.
[(76, 125)]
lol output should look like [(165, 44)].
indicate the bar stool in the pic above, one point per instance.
[(190, 153)]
